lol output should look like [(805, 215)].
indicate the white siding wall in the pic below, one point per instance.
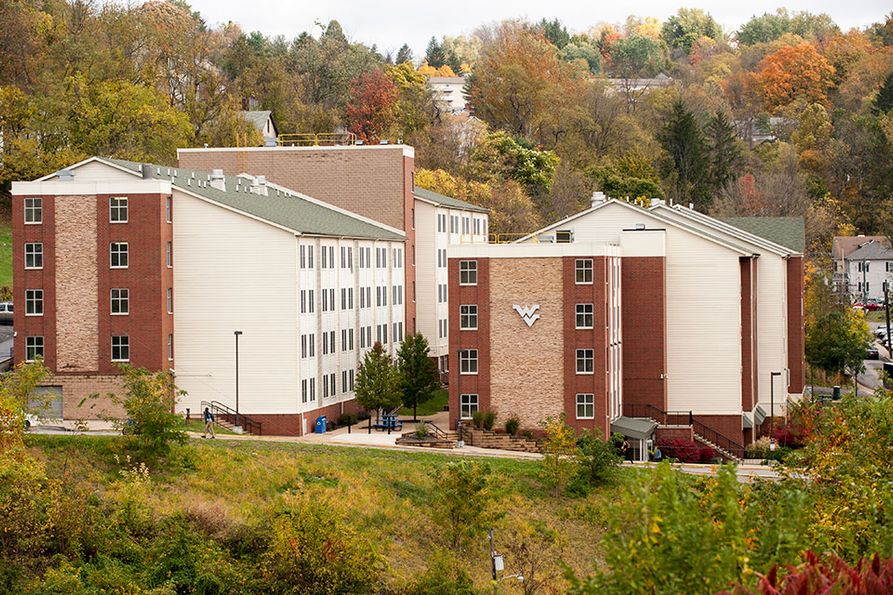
[(772, 328), (874, 276), (234, 273)]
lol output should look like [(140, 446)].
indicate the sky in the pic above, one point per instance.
[(390, 23)]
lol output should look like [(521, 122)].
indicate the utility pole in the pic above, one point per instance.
[(887, 311)]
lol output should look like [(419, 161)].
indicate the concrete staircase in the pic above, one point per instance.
[(722, 452)]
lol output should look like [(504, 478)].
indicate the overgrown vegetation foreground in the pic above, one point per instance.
[(152, 513)]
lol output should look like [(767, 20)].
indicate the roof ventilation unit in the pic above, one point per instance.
[(598, 198), (564, 236), (65, 175), (217, 180)]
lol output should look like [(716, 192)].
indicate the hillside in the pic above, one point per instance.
[(230, 490)]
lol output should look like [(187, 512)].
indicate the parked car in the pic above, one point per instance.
[(5, 312), (881, 333), (874, 305), (31, 420), (872, 353)]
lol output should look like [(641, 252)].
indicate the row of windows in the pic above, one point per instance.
[(468, 361), (34, 348), (478, 224), (468, 317), (329, 389), (308, 341), (119, 255), (307, 298), (468, 272), (469, 404), (119, 210), (327, 257), (119, 301)]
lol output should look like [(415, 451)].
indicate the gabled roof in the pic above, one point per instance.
[(789, 232), (446, 201), (280, 207), (871, 251), (724, 227), (258, 118), (671, 221), (842, 246)]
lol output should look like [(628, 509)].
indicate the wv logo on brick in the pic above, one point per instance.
[(528, 313)]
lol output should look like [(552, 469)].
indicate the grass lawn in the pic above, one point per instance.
[(5, 252), (386, 496), (197, 425), (431, 406)]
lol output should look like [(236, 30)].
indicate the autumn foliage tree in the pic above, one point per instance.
[(795, 72), (373, 106)]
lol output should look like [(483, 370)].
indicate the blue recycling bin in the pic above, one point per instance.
[(321, 424)]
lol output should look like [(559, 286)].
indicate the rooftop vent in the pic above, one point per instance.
[(564, 236), (640, 226), (65, 175), (217, 180), (598, 198), (146, 171), (656, 202), (259, 186)]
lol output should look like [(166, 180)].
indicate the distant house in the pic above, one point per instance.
[(449, 93), (265, 124), (841, 248), (632, 85), (867, 268)]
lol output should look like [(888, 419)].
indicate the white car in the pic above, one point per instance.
[(31, 420), (5, 312)]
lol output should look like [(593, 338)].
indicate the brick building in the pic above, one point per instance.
[(121, 262), (706, 326)]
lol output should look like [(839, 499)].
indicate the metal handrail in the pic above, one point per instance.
[(316, 139), (684, 418), (221, 411)]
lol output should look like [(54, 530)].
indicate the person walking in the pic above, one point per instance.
[(209, 423), (627, 451)]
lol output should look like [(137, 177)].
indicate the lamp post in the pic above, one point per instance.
[(237, 333), (772, 376)]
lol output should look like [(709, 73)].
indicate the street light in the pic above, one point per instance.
[(237, 333), (772, 376)]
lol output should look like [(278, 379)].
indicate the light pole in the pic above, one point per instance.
[(237, 333), (772, 376)]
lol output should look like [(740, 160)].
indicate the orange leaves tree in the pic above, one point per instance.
[(795, 72), (373, 105)]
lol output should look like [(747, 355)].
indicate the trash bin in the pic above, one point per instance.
[(321, 424), (835, 395)]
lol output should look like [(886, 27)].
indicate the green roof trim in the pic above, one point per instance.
[(789, 232), (447, 201), (281, 207)]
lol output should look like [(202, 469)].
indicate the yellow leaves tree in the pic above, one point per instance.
[(429, 71), (795, 72)]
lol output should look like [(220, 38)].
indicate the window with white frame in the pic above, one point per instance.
[(889, 266), (118, 209), (312, 389), (583, 268), (170, 254), (585, 406), (34, 255), (120, 301), (33, 211), (585, 361), (169, 209), (468, 361), (118, 255), (468, 317), (120, 348), (33, 302), (468, 406), (304, 390), (170, 300), (33, 348), (468, 272), (584, 316), (170, 347)]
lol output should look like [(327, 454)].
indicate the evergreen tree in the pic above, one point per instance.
[(418, 372), (404, 54), (883, 101), (555, 32), (725, 151), (687, 169), (378, 381), (435, 54)]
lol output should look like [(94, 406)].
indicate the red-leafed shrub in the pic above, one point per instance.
[(870, 576), (686, 451)]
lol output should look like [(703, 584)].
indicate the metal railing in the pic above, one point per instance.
[(222, 413), (316, 139)]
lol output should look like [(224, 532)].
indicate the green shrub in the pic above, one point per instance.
[(489, 420), (422, 431), (559, 453), (444, 576), (477, 419), (150, 400), (464, 501), (597, 458), (347, 419), (512, 425)]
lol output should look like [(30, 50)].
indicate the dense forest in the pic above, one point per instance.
[(787, 115)]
